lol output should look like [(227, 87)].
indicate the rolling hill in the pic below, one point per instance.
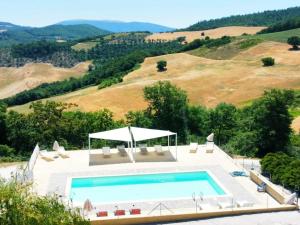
[(265, 18), (119, 26), (13, 34), (207, 81), (213, 33), (14, 80)]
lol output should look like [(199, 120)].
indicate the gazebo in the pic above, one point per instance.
[(132, 135)]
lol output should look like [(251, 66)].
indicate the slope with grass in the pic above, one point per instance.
[(14, 80), (207, 81), (213, 33)]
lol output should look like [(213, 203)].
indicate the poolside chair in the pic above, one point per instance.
[(45, 156), (193, 147), (244, 203), (290, 200), (119, 212), (135, 211), (209, 147), (206, 206), (62, 152), (102, 214), (106, 152), (159, 150), (262, 187), (122, 150), (143, 149)]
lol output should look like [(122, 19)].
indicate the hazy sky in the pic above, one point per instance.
[(174, 13)]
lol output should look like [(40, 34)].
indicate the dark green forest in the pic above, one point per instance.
[(266, 18), (282, 26)]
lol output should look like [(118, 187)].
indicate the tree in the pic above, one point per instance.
[(167, 108), (268, 61), (2, 124), (222, 122), (197, 120), (181, 39), (271, 121), (161, 65), (294, 41), (138, 119)]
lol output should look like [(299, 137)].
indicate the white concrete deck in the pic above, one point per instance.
[(50, 177)]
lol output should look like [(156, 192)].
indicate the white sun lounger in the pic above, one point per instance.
[(209, 148), (226, 205), (46, 156), (244, 203), (143, 149), (159, 150), (206, 206), (193, 147), (62, 152), (122, 150), (106, 152)]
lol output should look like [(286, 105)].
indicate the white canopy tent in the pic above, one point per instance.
[(131, 135)]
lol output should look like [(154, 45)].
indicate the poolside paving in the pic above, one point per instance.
[(276, 218)]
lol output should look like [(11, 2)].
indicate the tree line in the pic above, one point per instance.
[(255, 130), (266, 18)]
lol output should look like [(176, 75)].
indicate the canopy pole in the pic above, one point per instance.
[(168, 143), (176, 144), (89, 149)]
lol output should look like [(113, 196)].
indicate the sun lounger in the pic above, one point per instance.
[(159, 150), (226, 205), (206, 206), (45, 156), (209, 147), (238, 174), (106, 152), (135, 211), (122, 150), (225, 202), (62, 152), (244, 203), (143, 149), (102, 214), (119, 212), (193, 147)]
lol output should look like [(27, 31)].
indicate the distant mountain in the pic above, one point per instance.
[(14, 34), (266, 18), (119, 26)]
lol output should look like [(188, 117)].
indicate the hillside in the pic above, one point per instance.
[(14, 80), (265, 18), (14, 34), (119, 26), (213, 33), (207, 81)]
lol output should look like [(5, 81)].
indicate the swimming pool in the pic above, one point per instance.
[(146, 187)]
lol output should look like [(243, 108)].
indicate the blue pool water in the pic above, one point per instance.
[(113, 189)]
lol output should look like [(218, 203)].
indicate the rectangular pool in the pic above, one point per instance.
[(134, 188)]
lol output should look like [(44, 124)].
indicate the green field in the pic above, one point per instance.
[(278, 36)]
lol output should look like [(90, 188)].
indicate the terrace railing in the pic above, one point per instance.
[(160, 207)]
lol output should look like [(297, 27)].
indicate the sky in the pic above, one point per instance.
[(173, 13)]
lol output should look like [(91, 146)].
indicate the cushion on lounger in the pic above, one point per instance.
[(102, 213), (135, 211), (120, 212)]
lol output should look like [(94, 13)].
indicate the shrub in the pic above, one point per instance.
[(20, 207), (161, 65), (6, 151), (294, 41), (268, 61)]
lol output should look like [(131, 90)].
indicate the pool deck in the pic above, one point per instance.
[(54, 177)]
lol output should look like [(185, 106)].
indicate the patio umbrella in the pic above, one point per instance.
[(87, 205), (55, 146)]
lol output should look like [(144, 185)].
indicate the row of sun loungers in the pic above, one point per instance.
[(209, 147), (122, 150), (120, 212)]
